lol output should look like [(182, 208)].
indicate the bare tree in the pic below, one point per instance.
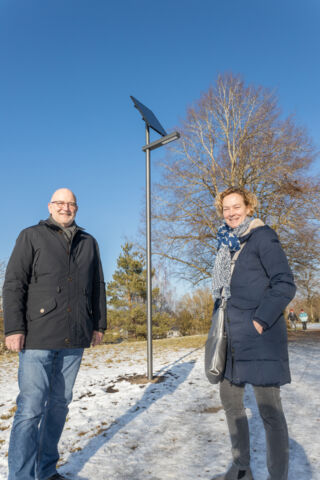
[(194, 311), (235, 135), (309, 286)]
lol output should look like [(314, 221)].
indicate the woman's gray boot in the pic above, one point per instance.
[(235, 473)]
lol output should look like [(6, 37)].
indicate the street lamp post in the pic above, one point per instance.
[(148, 250), (150, 122)]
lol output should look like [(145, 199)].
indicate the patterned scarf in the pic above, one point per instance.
[(228, 241)]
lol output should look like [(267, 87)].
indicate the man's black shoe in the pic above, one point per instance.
[(57, 476)]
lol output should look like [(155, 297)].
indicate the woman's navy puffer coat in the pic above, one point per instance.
[(261, 287)]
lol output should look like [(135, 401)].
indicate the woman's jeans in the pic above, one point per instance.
[(270, 408), (46, 379)]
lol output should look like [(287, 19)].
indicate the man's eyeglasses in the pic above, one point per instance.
[(65, 204)]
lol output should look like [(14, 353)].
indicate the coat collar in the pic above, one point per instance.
[(52, 225), (254, 225)]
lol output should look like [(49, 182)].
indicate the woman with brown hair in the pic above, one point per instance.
[(257, 293)]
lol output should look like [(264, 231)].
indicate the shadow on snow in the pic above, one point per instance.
[(175, 374), (299, 464)]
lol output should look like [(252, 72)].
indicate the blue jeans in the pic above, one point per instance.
[(46, 379)]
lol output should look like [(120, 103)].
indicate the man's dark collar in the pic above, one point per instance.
[(56, 226)]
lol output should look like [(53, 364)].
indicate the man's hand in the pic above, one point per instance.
[(258, 327), (15, 342), (96, 338)]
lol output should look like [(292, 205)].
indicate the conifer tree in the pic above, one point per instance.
[(126, 296)]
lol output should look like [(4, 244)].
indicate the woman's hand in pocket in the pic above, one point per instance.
[(258, 327)]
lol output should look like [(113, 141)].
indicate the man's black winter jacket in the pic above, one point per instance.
[(54, 292)]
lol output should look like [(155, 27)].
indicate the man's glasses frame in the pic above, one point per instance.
[(61, 204)]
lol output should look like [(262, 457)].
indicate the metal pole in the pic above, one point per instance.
[(148, 247)]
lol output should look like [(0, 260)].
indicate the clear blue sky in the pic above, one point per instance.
[(67, 68)]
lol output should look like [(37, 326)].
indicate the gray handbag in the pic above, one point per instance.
[(216, 346), (215, 354)]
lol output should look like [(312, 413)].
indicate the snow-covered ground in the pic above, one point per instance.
[(174, 429)]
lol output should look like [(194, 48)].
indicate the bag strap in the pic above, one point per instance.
[(233, 262), (235, 257)]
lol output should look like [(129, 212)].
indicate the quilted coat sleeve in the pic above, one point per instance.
[(281, 288), (15, 288)]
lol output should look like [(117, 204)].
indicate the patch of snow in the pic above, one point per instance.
[(174, 429)]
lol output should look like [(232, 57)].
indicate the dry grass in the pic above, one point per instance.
[(211, 409), (119, 351), (72, 450), (301, 335), (139, 379), (130, 348), (194, 341), (6, 416)]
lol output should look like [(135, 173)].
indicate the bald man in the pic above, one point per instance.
[(54, 307)]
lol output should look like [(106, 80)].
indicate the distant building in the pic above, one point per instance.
[(174, 332)]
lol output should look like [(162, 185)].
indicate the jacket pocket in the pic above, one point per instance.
[(41, 309), (253, 329), (88, 302)]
